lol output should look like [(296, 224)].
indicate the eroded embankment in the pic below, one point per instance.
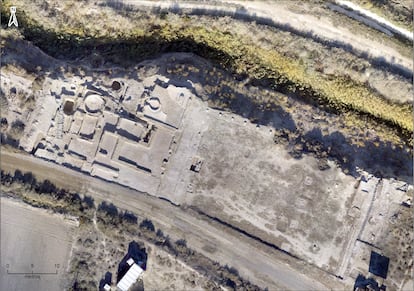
[(245, 59)]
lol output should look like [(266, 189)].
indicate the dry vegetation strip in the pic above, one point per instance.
[(233, 53)]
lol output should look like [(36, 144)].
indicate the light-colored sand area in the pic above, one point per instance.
[(33, 241)]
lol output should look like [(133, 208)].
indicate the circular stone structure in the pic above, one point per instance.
[(154, 103), (116, 85), (69, 106), (94, 103)]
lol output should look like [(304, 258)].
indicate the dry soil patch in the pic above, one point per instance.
[(33, 240)]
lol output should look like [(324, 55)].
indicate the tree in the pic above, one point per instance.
[(147, 224), (17, 129)]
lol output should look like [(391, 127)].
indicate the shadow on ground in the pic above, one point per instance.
[(138, 253), (107, 279), (379, 158)]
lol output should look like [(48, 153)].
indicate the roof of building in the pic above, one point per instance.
[(103, 171), (130, 277), (136, 154)]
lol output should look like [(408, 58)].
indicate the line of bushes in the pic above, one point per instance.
[(108, 215), (44, 194)]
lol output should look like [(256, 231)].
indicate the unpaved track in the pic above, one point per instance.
[(380, 20), (254, 261), (278, 12)]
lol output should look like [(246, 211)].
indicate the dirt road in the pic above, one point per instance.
[(368, 14), (256, 262)]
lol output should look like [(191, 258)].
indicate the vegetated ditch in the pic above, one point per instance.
[(377, 153), (262, 67)]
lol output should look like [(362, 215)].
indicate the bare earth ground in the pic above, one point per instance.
[(54, 241), (164, 272), (214, 241), (33, 240), (248, 181), (104, 249)]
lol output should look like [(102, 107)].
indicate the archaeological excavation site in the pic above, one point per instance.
[(206, 145), (119, 130)]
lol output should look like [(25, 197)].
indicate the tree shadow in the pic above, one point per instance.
[(107, 279), (89, 201), (109, 209), (129, 217), (363, 283)]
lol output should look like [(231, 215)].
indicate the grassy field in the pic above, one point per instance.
[(231, 51)]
